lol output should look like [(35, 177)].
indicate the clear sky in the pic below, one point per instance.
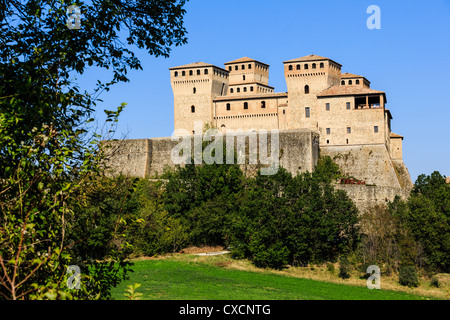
[(408, 58)]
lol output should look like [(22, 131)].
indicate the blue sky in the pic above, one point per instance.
[(408, 58)]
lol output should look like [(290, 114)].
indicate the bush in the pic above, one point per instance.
[(330, 267), (435, 282), (344, 268), (407, 276)]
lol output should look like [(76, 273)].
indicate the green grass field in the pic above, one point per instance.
[(188, 279)]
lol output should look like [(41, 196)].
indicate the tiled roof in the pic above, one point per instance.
[(245, 59), (193, 65), (347, 91), (311, 57), (394, 135), (350, 75)]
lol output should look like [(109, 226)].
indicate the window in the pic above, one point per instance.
[(313, 65), (306, 89), (245, 105), (243, 67), (251, 88), (230, 68), (236, 68), (263, 104), (238, 90), (348, 105), (375, 129), (284, 111), (228, 107), (357, 81), (290, 68), (349, 130), (327, 106), (191, 72), (249, 66), (350, 82), (298, 67), (305, 67), (245, 89), (342, 83), (328, 141), (183, 73), (194, 90), (198, 72), (322, 65), (192, 109), (231, 90), (206, 71), (307, 112), (243, 78), (328, 130), (176, 74)]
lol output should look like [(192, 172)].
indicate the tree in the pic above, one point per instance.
[(47, 154)]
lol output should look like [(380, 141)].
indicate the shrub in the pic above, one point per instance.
[(330, 267), (435, 282), (407, 276), (344, 268)]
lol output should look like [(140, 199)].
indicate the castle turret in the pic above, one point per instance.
[(194, 88), (306, 77)]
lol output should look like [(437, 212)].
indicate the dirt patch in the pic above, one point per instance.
[(205, 249)]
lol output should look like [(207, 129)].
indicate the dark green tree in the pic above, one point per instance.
[(48, 156)]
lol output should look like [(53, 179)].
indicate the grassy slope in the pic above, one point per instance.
[(187, 278)]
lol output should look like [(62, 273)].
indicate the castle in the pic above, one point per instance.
[(340, 106), (324, 112)]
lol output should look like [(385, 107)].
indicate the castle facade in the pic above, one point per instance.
[(341, 107)]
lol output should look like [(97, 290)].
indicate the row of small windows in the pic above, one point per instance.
[(349, 130), (306, 66), (350, 82), (328, 107), (244, 89), (249, 66), (199, 72)]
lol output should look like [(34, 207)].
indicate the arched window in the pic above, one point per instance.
[(249, 66), (306, 89), (245, 105), (194, 90), (192, 109), (206, 71), (198, 72), (357, 81), (222, 126), (263, 104), (306, 67), (228, 107), (238, 90), (236, 68), (313, 65), (191, 72), (243, 78), (183, 73), (342, 83), (243, 67), (322, 65), (231, 90), (245, 89), (298, 67), (251, 88), (350, 82), (176, 74), (230, 68), (290, 67)]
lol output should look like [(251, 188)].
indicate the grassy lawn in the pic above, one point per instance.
[(209, 278)]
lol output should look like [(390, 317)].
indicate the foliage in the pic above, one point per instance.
[(48, 156), (344, 268), (293, 220), (131, 293), (330, 267), (407, 276)]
